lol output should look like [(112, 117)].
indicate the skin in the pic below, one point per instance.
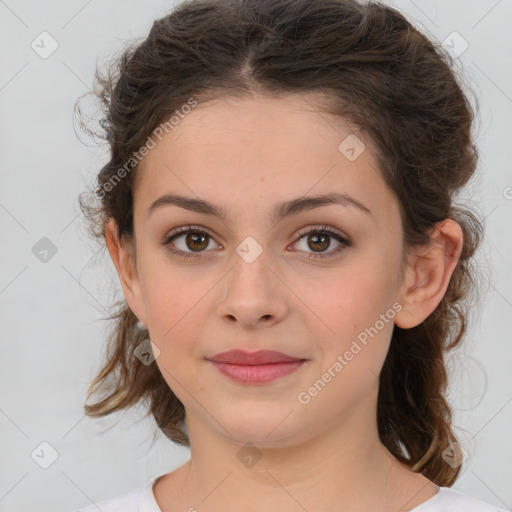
[(246, 155)]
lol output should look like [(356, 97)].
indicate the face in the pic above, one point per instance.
[(256, 280)]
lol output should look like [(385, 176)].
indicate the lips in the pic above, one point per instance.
[(255, 368), (242, 357)]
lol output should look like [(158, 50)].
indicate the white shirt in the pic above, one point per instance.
[(142, 499)]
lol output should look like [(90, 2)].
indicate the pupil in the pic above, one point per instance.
[(316, 237), (193, 238)]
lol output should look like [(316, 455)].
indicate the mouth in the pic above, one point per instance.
[(255, 367)]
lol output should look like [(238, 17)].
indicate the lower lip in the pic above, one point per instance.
[(257, 374)]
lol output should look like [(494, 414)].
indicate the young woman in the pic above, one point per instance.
[(279, 207)]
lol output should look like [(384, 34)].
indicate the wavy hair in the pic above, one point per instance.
[(377, 71)]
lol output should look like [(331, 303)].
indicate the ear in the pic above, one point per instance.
[(123, 257), (428, 274)]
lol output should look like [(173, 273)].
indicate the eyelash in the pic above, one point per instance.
[(196, 229)]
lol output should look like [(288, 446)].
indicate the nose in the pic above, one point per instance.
[(253, 294)]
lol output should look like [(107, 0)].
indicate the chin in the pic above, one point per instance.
[(265, 429)]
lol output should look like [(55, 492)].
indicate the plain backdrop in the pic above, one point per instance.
[(53, 458)]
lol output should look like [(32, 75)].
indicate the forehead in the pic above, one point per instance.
[(258, 151)]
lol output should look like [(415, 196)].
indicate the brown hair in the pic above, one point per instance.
[(377, 72)]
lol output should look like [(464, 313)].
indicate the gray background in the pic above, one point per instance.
[(53, 335)]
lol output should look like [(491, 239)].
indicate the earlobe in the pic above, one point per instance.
[(428, 274), (122, 255)]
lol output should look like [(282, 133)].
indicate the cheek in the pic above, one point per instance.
[(352, 297), (174, 308), (170, 304), (351, 356), (169, 293), (356, 309)]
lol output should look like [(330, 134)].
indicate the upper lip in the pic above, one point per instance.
[(238, 356)]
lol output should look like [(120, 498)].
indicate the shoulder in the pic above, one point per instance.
[(451, 500), (134, 500)]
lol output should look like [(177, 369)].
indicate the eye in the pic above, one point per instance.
[(191, 241), (193, 237), (319, 240)]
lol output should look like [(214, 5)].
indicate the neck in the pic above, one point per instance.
[(343, 467)]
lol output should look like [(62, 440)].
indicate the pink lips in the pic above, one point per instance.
[(255, 367)]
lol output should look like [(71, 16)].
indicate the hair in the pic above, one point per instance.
[(374, 70)]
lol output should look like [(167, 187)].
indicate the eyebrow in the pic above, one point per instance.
[(278, 212)]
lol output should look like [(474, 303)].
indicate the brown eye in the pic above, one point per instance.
[(196, 241), (318, 240), (192, 241), (187, 241)]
